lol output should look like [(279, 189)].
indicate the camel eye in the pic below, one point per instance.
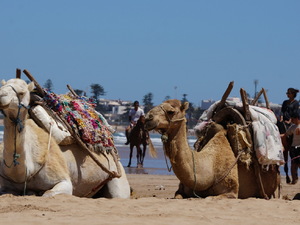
[(171, 113)]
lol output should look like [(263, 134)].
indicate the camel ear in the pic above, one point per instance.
[(184, 106), (30, 86), (3, 82)]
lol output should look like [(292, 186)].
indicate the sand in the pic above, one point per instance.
[(151, 203)]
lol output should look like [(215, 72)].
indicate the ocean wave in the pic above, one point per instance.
[(120, 139)]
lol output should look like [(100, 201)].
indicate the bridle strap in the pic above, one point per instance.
[(171, 121), (17, 120), (18, 125)]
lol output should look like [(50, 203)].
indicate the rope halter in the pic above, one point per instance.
[(164, 136), (17, 121), (18, 126)]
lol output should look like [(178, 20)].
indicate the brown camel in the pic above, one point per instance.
[(138, 136), (214, 170)]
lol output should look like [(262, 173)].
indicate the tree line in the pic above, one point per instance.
[(97, 90)]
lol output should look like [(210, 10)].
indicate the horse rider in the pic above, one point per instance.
[(134, 114), (289, 106), (294, 131)]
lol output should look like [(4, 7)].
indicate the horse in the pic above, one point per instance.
[(138, 136), (32, 162)]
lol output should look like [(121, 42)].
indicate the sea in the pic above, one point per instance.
[(159, 165)]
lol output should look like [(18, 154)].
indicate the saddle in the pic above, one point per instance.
[(68, 117)]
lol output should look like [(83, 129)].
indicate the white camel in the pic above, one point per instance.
[(33, 163)]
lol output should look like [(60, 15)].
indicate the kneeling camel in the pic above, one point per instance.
[(213, 171), (33, 163)]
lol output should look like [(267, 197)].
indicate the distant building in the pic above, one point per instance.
[(113, 109)]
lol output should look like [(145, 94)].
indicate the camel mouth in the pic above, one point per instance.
[(150, 125)]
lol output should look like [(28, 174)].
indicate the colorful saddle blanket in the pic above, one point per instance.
[(81, 115)]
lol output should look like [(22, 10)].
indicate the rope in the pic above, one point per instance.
[(83, 145), (18, 122), (168, 167), (195, 177), (216, 182)]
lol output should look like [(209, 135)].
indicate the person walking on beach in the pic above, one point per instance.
[(289, 106), (134, 114), (294, 131)]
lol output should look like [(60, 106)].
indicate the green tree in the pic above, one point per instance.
[(97, 91), (147, 100), (48, 85), (79, 92)]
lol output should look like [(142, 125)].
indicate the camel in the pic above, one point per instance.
[(138, 136), (33, 163), (212, 171)]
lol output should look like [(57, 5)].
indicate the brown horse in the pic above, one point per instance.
[(138, 136)]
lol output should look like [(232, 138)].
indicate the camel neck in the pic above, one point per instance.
[(177, 143), (180, 155)]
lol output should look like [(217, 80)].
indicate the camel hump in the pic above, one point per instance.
[(207, 133)]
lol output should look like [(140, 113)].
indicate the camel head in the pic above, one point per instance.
[(15, 92), (165, 116)]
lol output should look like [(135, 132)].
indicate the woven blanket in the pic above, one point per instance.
[(266, 136), (81, 115)]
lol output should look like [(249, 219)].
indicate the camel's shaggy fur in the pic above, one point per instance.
[(212, 171), (41, 166)]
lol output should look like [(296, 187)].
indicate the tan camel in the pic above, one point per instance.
[(33, 163), (213, 171)]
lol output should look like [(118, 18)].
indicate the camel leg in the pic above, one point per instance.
[(117, 187), (179, 194), (63, 187)]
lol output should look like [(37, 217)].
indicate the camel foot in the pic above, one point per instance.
[(178, 196), (288, 180), (128, 165), (139, 165)]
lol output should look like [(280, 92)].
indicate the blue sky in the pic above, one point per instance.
[(135, 47)]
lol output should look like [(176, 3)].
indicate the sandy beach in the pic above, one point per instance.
[(151, 203)]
